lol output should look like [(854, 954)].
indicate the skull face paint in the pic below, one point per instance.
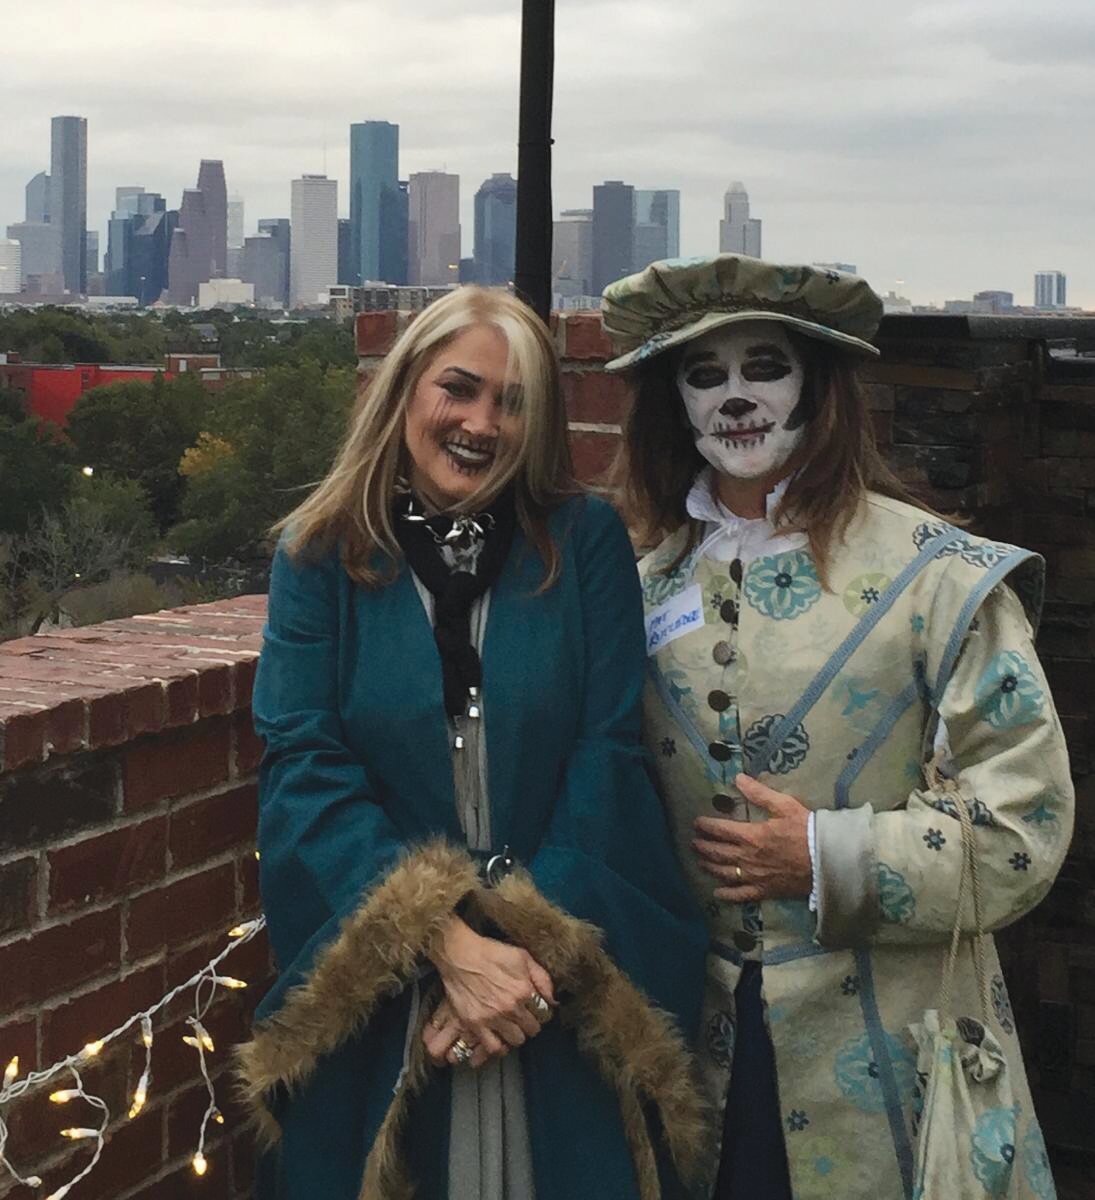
[(742, 391)]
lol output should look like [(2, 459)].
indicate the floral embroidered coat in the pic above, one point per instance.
[(840, 693)]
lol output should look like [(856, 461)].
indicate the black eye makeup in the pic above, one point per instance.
[(706, 375)]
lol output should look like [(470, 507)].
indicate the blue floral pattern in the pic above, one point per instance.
[(985, 554), (930, 530), (1008, 693), (783, 586), (659, 587), (980, 813), (993, 1151), (865, 590), (783, 758), (1036, 1164), (895, 897), (1001, 1004), (859, 1076), (720, 1040)]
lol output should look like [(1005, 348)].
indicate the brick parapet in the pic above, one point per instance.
[(128, 806)]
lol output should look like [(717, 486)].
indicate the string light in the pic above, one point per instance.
[(205, 983)]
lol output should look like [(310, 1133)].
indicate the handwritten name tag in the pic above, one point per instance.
[(673, 619)]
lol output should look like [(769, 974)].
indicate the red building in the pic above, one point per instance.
[(50, 391)]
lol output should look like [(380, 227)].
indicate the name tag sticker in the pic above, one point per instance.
[(673, 619)]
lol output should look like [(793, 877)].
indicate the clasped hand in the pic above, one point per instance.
[(765, 860), (488, 985)]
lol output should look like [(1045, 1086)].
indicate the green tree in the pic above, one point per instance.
[(36, 469), (269, 441), (140, 431)]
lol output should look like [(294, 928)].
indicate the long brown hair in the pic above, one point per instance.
[(658, 460), (353, 505)]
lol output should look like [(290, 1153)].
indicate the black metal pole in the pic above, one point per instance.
[(532, 279)]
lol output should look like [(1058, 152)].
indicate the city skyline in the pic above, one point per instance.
[(914, 143)]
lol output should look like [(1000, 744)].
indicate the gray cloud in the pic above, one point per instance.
[(941, 143)]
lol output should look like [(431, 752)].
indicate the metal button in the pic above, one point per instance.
[(723, 653), (724, 804), (722, 751), (718, 700), (473, 711), (735, 570), (729, 611), (745, 941)]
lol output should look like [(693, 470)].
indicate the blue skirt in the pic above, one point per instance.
[(754, 1156)]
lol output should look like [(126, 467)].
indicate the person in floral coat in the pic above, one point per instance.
[(815, 638)]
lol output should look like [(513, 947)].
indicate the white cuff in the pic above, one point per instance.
[(811, 842)]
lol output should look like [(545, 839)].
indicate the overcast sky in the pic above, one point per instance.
[(944, 144)]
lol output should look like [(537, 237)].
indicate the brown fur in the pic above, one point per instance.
[(635, 1045)]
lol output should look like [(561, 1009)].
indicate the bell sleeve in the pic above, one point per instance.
[(893, 876)]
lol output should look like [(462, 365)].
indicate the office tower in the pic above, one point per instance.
[(68, 197), (495, 229), (11, 266), (235, 222), (313, 254), (263, 265), (572, 253), (138, 242), (1050, 289), (199, 243), (127, 200), (345, 255), (378, 221), (40, 255), (92, 263), (280, 230), (613, 232), (37, 192), (657, 226), (433, 231), (738, 232), (994, 301)]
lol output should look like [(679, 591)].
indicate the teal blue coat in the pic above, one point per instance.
[(358, 770)]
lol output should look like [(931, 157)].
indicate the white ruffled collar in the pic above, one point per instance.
[(729, 536)]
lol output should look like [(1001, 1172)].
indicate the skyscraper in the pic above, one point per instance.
[(235, 221), (280, 229), (433, 230), (613, 232), (37, 192), (572, 254), (495, 229), (1050, 289), (92, 264), (313, 255), (378, 222), (738, 232), (657, 226), (68, 197), (345, 257), (11, 267), (138, 240), (199, 243)]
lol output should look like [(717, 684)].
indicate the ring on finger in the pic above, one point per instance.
[(539, 1007), (461, 1051)]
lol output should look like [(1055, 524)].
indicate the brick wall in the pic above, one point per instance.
[(127, 818)]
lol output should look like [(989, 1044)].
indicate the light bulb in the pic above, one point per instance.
[(64, 1096), (77, 1134), (199, 1164), (228, 982), (93, 1049), (139, 1098), (11, 1071)]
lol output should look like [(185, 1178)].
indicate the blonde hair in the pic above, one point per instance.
[(353, 505)]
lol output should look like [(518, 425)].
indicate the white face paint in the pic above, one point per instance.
[(741, 386)]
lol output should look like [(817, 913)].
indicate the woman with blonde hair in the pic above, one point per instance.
[(486, 952)]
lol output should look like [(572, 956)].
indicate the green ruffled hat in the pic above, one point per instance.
[(672, 302)]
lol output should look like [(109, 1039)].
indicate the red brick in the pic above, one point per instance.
[(208, 827), (174, 764), (249, 746), (176, 1064), (182, 700), (109, 864), (67, 729), (245, 679), (58, 959), (593, 454), (376, 332), (585, 337), (215, 689), (20, 1038), (132, 1154), (184, 1118), (182, 911), (18, 890), (22, 734), (70, 1026), (247, 870), (182, 1184), (594, 396)]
